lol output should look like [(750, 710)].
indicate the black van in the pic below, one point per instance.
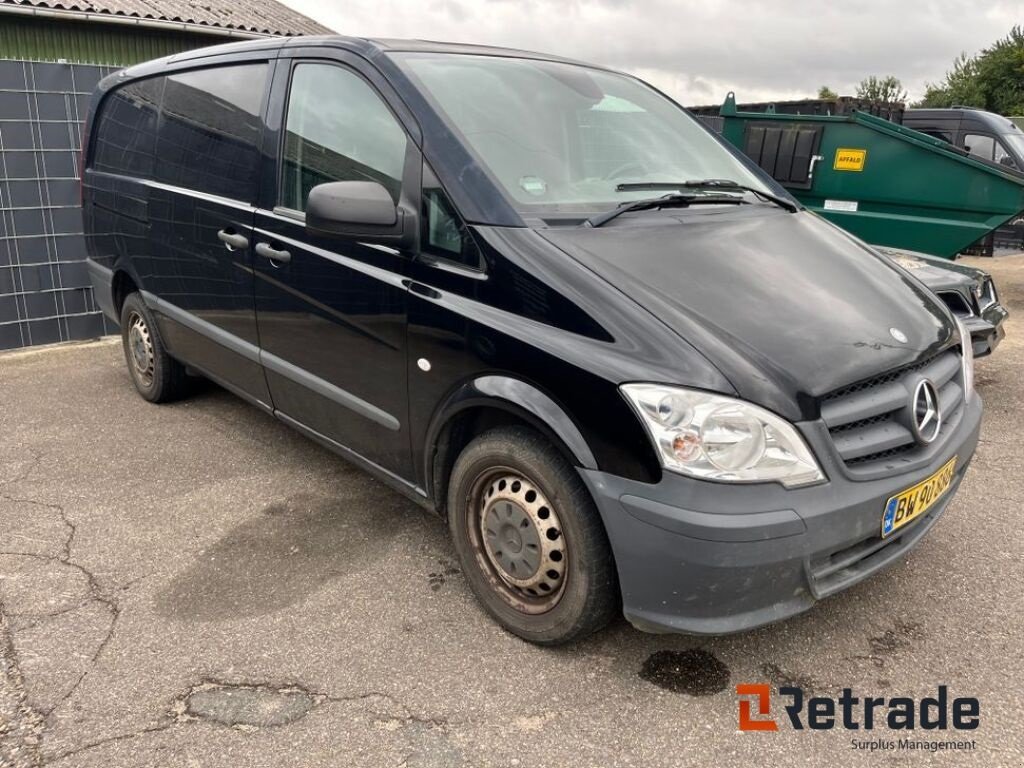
[(984, 134), (538, 297)]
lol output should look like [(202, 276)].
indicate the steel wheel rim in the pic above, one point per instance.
[(140, 349), (518, 540)]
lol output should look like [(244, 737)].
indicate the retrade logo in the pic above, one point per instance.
[(762, 695), (822, 713)]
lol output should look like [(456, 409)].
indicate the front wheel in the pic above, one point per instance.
[(529, 537)]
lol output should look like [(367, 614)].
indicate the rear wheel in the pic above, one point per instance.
[(157, 376), (530, 540)]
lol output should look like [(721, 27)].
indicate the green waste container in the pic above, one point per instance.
[(886, 184)]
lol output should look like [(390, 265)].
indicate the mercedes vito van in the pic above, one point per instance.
[(985, 135), (539, 298)]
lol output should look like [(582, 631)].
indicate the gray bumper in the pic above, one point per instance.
[(987, 331), (102, 280), (711, 558)]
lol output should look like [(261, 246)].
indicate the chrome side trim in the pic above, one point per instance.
[(272, 362), (383, 275), (226, 201), (227, 340), (324, 388)]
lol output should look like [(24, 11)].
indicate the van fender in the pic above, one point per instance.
[(517, 397), (104, 274)]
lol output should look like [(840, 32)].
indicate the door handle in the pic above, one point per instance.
[(233, 240), (268, 252), (422, 290)]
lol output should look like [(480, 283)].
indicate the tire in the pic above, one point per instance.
[(157, 376), (530, 540)]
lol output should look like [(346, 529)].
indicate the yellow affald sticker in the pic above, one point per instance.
[(850, 159)]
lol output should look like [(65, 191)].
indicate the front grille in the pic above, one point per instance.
[(869, 421), (957, 303)]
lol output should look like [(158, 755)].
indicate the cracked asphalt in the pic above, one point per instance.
[(197, 585)]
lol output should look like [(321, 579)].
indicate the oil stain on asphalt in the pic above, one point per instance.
[(694, 671)]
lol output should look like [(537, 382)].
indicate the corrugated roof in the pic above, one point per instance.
[(264, 17)]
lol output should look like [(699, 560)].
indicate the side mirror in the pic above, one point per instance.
[(363, 209), (1007, 161)]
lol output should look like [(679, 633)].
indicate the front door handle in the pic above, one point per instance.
[(276, 255), (422, 290), (233, 240)]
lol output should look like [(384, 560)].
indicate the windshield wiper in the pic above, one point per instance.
[(665, 201), (725, 184)]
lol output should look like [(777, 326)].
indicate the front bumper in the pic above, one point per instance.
[(987, 331), (711, 558)]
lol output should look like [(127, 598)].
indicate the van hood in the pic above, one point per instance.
[(936, 273), (788, 306)]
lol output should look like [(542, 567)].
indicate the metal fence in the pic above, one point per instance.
[(45, 295)]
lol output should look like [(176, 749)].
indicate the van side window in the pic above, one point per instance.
[(126, 131), (982, 146), (337, 129), (935, 134), (210, 130), (443, 233)]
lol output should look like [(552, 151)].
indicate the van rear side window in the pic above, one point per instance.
[(126, 133), (210, 131)]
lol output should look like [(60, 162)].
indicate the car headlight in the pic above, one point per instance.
[(967, 358), (720, 438), (985, 292)]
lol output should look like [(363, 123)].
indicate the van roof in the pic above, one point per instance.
[(979, 117), (394, 45), (367, 47)]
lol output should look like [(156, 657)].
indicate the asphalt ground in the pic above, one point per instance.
[(197, 585)]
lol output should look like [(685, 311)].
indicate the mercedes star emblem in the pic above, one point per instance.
[(926, 419)]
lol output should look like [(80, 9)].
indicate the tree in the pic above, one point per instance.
[(992, 80), (888, 89), (959, 87), (1001, 74), (827, 93)]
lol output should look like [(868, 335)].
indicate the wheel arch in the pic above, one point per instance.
[(487, 402), (122, 284)]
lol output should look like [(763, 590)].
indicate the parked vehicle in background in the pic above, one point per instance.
[(985, 135), (538, 298), (969, 292)]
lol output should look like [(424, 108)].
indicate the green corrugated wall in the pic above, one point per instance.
[(87, 42)]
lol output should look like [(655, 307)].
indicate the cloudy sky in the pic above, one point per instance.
[(697, 51)]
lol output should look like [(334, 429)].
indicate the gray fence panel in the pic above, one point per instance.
[(45, 295)]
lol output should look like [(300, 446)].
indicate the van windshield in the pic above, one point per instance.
[(562, 137), (1015, 141)]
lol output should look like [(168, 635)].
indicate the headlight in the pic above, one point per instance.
[(967, 358), (720, 438), (985, 292)]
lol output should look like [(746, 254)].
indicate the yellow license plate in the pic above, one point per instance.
[(910, 504)]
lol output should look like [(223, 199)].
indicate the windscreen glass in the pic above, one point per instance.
[(562, 137)]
